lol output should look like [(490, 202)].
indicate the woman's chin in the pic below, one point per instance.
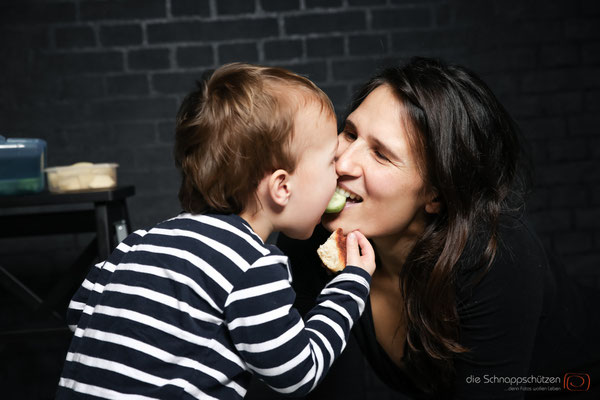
[(333, 221)]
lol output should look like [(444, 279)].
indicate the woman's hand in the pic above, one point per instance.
[(359, 252)]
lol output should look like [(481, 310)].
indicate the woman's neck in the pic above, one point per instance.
[(392, 253)]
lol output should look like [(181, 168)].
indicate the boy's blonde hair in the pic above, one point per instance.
[(234, 129)]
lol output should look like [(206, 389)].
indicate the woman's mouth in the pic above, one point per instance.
[(350, 196)]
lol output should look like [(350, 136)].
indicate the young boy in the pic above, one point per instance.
[(193, 306)]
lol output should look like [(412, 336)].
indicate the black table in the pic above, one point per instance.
[(102, 212)]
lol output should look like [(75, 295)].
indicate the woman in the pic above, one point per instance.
[(464, 302)]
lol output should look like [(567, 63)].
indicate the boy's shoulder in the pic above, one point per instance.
[(218, 231)]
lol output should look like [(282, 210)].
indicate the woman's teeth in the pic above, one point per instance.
[(347, 194)]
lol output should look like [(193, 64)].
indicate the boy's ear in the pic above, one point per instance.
[(279, 187)]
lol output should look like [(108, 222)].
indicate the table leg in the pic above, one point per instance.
[(102, 230)]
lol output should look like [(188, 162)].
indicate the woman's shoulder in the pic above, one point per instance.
[(521, 252), (515, 231), (519, 267), (517, 246)]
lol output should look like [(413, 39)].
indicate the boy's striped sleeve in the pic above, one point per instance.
[(290, 355)]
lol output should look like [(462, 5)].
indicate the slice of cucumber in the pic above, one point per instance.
[(336, 204)]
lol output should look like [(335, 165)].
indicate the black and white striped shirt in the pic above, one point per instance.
[(191, 307)]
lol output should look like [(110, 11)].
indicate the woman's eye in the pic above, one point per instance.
[(349, 135), (380, 156)]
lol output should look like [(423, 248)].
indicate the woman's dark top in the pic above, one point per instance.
[(527, 325)]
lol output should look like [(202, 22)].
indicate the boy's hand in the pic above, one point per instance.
[(357, 243)]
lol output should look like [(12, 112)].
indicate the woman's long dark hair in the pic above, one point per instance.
[(469, 153)]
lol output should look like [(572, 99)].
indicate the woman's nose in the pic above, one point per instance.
[(347, 162)]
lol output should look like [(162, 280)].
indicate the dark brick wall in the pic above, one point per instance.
[(101, 81)]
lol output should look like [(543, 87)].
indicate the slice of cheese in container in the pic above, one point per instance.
[(83, 176)]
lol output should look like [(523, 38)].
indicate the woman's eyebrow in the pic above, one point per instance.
[(349, 124)]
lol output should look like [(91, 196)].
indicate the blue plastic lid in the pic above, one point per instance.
[(21, 143)]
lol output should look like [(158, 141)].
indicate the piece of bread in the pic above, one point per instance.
[(333, 252)]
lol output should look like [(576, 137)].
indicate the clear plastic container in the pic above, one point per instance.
[(22, 163), (82, 176)]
